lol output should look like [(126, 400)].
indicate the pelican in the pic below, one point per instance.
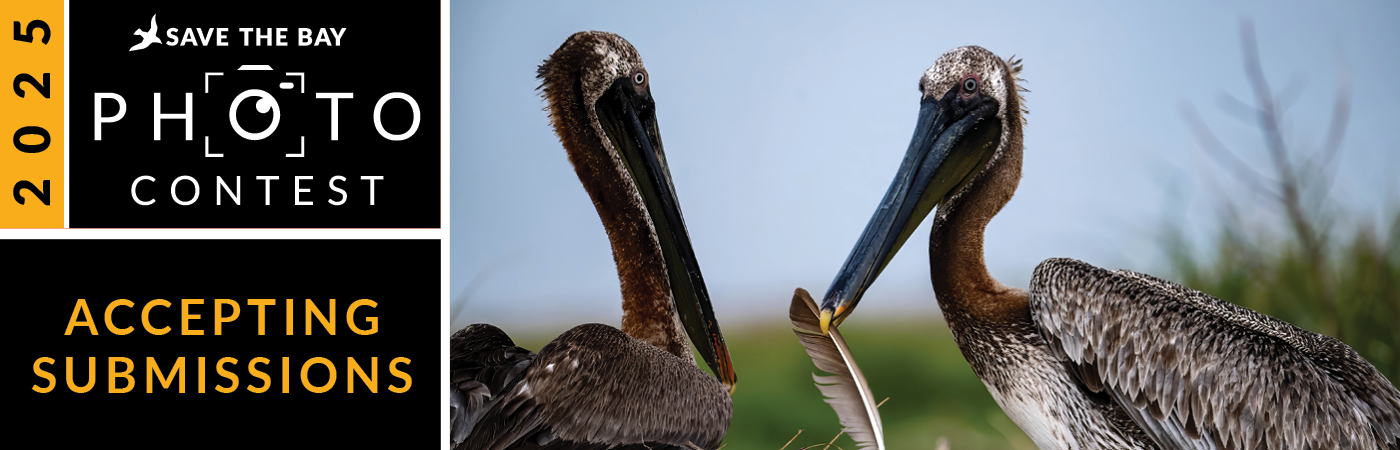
[(597, 387), (1091, 358)]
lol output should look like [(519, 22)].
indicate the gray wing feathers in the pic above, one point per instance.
[(596, 384), (593, 387), (1168, 433), (485, 366), (1198, 372)]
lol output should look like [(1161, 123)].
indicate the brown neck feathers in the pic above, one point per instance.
[(648, 312), (965, 289)]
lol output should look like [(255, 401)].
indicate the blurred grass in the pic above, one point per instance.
[(931, 389)]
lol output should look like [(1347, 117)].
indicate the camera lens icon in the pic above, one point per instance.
[(264, 104)]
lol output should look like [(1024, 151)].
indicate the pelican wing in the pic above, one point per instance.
[(596, 387), (485, 364), (1198, 372), (845, 389)]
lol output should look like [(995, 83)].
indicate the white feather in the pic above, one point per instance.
[(845, 389)]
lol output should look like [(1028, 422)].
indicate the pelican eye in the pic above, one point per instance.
[(639, 78), (970, 85)]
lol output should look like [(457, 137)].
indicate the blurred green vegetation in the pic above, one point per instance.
[(931, 389)]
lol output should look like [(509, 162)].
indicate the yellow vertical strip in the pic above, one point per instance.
[(31, 108)]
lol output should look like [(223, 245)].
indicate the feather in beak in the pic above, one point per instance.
[(845, 389)]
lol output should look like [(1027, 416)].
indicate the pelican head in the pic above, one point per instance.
[(969, 114), (600, 103)]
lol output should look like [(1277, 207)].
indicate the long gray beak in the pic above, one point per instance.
[(953, 139), (629, 119)]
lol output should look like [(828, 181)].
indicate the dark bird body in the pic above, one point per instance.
[(1091, 358), (595, 386)]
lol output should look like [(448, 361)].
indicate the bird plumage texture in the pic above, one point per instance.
[(596, 387), (1226, 374), (1098, 359), (592, 387)]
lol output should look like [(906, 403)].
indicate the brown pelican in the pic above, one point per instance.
[(597, 387), (1092, 358)]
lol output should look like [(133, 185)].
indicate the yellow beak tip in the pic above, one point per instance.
[(826, 321)]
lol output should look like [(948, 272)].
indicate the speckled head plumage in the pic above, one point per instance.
[(967, 139), (573, 79), (588, 63), (599, 100), (994, 77)]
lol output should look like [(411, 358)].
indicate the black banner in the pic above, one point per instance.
[(270, 115), (189, 344)]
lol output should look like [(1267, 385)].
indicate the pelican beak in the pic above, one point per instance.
[(954, 137), (628, 116)]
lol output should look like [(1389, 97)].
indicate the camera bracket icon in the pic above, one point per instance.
[(265, 103)]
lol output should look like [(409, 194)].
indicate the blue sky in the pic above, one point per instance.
[(785, 121)]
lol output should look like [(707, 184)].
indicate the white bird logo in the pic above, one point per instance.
[(147, 37)]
